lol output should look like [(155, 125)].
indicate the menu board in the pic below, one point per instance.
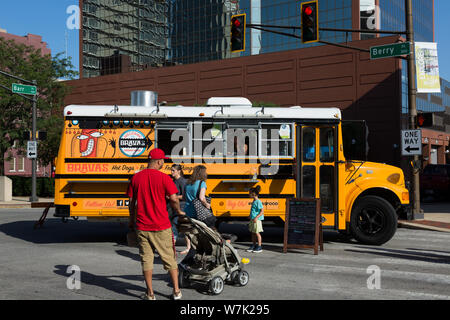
[(302, 225)]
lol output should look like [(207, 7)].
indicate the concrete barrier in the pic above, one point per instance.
[(5, 189)]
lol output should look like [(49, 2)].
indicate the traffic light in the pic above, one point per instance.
[(40, 135), (310, 21), (238, 32), (425, 119)]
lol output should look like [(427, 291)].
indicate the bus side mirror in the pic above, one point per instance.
[(349, 166)]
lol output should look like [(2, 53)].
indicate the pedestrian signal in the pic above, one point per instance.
[(425, 119)]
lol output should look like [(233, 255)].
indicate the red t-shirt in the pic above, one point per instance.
[(150, 188)]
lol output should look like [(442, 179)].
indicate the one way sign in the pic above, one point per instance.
[(411, 142), (32, 149)]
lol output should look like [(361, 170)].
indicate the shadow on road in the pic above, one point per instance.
[(54, 231), (273, 236), (409, 254), (120, 284), (83, 231)]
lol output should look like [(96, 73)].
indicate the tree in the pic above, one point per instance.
[(16, 112)]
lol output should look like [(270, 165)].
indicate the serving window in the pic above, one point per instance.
[(276, 140), (222, 139)]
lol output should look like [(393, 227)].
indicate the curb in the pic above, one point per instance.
[(15, 206), (412, 225)]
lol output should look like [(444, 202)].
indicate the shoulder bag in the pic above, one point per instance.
[(202, 212)]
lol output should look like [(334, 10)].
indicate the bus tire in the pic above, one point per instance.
[(373, 220)]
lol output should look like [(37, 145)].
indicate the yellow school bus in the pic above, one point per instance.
[(290, 152)]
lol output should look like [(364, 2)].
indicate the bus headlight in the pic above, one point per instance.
[(394, 178)]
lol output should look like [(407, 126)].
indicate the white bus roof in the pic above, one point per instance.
[(180, 112)]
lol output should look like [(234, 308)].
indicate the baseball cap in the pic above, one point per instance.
[(157, 154)]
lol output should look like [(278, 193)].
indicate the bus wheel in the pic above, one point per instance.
[(373, 220)]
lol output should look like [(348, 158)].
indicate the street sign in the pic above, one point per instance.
[(24, 89), (411, 142), (32, 149), (390, 50)]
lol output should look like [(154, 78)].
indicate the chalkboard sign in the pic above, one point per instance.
[(302, 228)]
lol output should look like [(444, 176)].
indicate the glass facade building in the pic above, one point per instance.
[(199, 30), (392, 17), (123, 35)]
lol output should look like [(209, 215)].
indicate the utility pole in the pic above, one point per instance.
[(412, 92), (34, 197)]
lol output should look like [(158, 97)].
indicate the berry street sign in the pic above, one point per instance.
[(24, 89), (390, 50)]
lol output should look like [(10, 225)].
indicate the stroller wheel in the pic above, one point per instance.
[(216, 285), (183, 282), (234, 277), (243, 278)]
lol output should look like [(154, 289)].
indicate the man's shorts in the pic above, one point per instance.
[(163, 242)]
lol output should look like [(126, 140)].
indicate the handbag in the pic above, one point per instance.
[(202, 212)]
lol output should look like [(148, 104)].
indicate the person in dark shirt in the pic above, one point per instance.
[(177, 175)]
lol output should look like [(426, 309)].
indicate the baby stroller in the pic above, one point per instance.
[(211, 261)]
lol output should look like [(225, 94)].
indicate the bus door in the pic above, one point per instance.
[(316, 168)]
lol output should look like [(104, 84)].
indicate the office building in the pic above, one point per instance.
[(122, 36)]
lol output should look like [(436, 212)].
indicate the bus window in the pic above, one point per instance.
[(164, 135), (309, 182), (207, 139), (241, 142), (276, 139), (164, 140), (309, 144), (326, 145), (354, 137), (327, 188)]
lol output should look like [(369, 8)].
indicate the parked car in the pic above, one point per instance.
[(435, 181)]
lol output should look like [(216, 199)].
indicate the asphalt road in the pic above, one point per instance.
[(34, 264)]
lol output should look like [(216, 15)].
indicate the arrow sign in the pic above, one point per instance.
[(411, 142), (409, 149), (32, 149)]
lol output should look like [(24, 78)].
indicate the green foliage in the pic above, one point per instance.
[(16, 112), (45, 187)]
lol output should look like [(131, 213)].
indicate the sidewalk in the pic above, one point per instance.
[(437, 215), (21, 202), (431, 221)]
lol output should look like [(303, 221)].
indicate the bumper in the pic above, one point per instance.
[(405, 212)]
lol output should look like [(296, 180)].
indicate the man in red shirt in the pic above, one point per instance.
[(148, 214)]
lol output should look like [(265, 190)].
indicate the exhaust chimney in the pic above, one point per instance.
[(144, 98)]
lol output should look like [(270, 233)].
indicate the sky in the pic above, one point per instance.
[(48, 18)]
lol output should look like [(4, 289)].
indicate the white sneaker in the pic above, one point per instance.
[(145, 296), (177, 296)]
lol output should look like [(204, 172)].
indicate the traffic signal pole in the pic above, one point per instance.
[(412, 92)]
